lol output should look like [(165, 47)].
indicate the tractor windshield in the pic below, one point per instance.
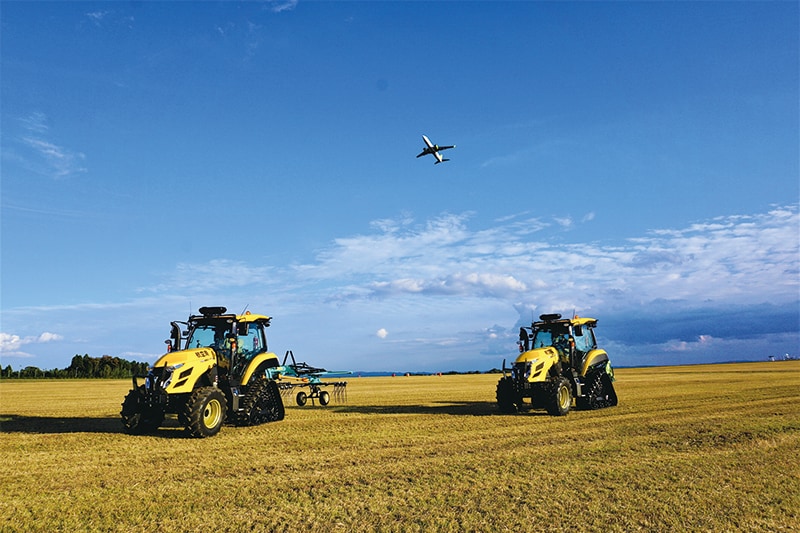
[(550, 336), (542, 339), (208, 335)]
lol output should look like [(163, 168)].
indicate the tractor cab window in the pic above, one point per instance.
[(251, 339), (584, 339)]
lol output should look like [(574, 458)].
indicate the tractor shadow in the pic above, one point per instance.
[(51, 425), (437, 408), (10, 423)]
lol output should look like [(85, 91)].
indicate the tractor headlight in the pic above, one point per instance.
[(167, 377), (521, 371)]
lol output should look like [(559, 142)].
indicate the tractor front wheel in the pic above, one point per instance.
[(508, 400), (137, 416), (560, 400), (205, 412)]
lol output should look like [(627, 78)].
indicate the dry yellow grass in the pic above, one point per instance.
[(701, 448)]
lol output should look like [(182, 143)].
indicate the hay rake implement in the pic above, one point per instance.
[(293, 375)]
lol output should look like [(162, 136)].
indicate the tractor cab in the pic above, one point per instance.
[(572, 338), (236, 339)]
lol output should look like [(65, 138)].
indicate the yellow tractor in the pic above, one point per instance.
[(559, 361), (214, 370)]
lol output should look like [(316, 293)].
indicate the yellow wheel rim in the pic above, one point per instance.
[(563, 397), (212, 413)]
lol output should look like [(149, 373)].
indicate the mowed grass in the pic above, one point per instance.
[(696, 448)]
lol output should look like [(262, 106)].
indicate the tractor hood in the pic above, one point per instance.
[(534, 365), (177, 372), (192, 356), (537, 354)]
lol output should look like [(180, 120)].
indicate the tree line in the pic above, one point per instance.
[(83, 366)]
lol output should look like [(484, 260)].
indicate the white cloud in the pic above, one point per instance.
[(382, 333), (10, 344), (745, 259)]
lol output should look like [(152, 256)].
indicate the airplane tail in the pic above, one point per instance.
[(442, 161)]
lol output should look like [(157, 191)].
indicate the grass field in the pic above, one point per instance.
[(697, 448)]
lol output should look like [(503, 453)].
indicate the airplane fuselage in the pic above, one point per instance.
[(433, 149)]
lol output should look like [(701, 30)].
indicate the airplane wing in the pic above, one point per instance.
[(424, 152), (446, 147)]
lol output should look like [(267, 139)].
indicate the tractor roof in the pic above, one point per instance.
[(221, 312), (555, 318), (249, 317)]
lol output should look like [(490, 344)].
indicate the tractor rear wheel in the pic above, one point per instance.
[(560, 400), (600, 393), (508, 400), (205, 412), (263, 404), (137, 417)]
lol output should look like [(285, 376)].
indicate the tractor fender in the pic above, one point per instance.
[(259, 364), (594, 358)]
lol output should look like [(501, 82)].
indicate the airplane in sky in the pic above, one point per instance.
[(434, 149)]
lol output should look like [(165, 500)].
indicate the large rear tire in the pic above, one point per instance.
[(137, 417), (560, 400), (262, 404), (205, 412), (508, 400), (600, 393)]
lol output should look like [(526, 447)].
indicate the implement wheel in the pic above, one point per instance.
[(324, 397), (301, 398)]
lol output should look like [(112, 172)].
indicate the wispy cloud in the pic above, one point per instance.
[(45, 155), (102, 18), (215, 275), (743, 258), (279, 6)]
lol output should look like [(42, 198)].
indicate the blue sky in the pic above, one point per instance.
[(635, 162)]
